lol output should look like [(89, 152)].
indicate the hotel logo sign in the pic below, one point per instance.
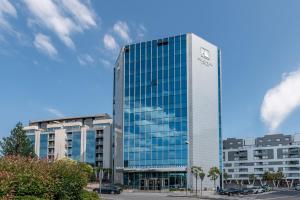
[(204, 53), (205, 57)]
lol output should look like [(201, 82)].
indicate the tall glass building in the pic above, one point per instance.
[(166, 115)]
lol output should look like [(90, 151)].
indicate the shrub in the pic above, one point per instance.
[(31, 178), (86, 195)]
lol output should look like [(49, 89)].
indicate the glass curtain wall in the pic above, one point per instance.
[(155, 104), (43, 145), (90, 147)]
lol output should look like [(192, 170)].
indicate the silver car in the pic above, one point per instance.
[(257, 190)]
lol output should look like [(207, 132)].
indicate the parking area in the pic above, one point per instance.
[(274, 195)]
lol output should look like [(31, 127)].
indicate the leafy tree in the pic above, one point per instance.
[(268, 176), (278, 176), (196, 171), (252, 178), (17, 143), (225, 176), (214, 173)]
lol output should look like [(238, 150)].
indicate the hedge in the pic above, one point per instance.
[(30, 178)]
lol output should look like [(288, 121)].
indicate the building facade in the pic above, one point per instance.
[(85, 139), (166, 112), (276, 152)]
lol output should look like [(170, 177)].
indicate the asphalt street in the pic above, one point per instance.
[(275, 195)]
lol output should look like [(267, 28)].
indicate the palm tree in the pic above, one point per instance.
[(225, 176), (196, 172), (252, 178), (278, 176), (201, 175), (268, 176), (214, 173)]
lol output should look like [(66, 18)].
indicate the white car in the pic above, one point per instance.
[(257, 190), (297, 187)]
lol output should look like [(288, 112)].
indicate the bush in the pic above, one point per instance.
[(27, 198), (31, 178), (86, 195)]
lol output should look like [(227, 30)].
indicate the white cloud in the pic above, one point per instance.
[(110, 42), (73, 16), (85, 59), (49, 15), (106, 63), (54, 112), (122, 29), (6, 9), (43, 44), (281, 100), (83, 15), (141, 30)]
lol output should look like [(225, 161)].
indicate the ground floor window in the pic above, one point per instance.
[(155, 180)]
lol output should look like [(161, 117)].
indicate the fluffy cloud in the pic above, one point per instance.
[(44, 45), (74, 18), (85, 59), (6, 8), (84, 16), (122, 29), (281, 100), (110, 42), (141, 30), (54, 112)]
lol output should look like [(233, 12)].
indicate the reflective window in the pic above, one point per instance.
[(155, 103), (90, 147), (43, 145), (76, 143)]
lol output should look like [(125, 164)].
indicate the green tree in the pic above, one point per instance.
[(268, 176), (278, 176), (214, 173), (252, 178), (196, 172), (201, 176), (225, 176), (17, 143)]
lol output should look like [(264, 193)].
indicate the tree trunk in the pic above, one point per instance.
[(201, 189), (215, 185), (196, 185)]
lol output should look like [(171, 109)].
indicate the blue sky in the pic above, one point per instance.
[(57, 56)]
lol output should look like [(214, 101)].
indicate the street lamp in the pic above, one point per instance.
[(187, 167)]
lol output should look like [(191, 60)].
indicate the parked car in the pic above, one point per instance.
[(222, 192), (108, 190), (257, 190), (297, 187), (266, 188), (246, 191), (232, 191)]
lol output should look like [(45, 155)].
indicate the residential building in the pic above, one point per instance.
[(85, 139), (273, 152), (166, 112)]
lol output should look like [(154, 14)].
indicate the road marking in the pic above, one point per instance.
[(285, 197)]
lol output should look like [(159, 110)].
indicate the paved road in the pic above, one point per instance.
[(277, 195)]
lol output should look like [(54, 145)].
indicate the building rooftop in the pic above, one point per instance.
[(97, 116)]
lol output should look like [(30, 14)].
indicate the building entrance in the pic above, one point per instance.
[(154, 184), (155, 180)]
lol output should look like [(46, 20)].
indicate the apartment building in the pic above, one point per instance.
[(273, 152), (85, 139)]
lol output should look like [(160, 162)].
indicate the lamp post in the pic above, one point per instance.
[(187, 167)]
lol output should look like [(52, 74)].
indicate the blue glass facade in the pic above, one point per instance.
[(43, 145), (155, 104), (90, 147), (76, 144), (32, 139)]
